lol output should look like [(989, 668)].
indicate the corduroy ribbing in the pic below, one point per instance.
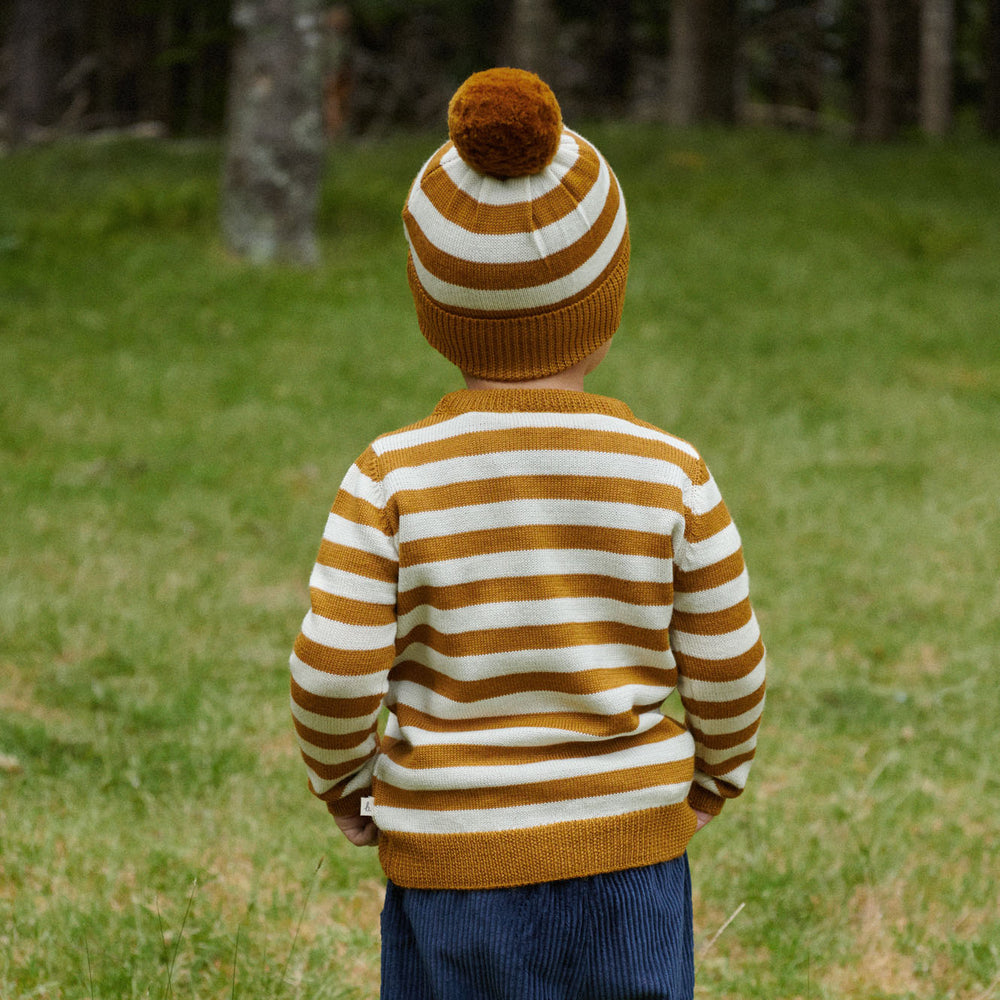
[(626, 935)]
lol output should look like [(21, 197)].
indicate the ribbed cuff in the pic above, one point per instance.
[(349, 805), (704, 801)]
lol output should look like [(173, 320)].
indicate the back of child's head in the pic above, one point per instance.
[(518, 236)]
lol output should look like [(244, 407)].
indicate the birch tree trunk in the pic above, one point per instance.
[(34, 72), (937, 34), (275, 142)]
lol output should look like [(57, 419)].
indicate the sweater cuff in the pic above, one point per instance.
[(704, 801), (349, 805)]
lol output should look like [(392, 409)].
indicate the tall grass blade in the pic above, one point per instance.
[(236, 957), (169, 989), (715, 937), (298, 926), (90, 971)]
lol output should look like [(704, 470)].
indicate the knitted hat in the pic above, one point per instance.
[(518, 236)]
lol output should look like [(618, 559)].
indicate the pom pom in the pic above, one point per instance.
[(505, 123)]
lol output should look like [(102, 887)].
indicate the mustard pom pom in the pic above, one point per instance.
[(505, 123)]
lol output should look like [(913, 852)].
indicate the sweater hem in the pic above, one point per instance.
[(548, 853)]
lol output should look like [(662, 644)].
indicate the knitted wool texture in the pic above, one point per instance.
[(522, 579), (518, 235)]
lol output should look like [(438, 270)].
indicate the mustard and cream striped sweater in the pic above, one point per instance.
[(522, 579)]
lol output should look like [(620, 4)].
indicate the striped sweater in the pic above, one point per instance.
[(521, 580)]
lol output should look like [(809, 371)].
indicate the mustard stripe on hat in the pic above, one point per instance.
[(483, 206)]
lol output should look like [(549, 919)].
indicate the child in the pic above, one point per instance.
[(522, 579)]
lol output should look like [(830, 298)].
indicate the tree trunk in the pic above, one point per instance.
[(890, 94), (878, 121), (991, 60), (275, 143), (937, 34), (701, 83), (614, 27), (35, 73), (531, 38), (719, 44), (684, 77)]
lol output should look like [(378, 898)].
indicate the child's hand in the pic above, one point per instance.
[(361, 831), (703, 819)]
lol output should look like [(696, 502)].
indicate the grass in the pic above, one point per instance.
[(820, 318)]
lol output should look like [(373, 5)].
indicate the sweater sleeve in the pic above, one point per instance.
[(717, 646), (341, 659)]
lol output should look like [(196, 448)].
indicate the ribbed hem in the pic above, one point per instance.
[(538, 854)]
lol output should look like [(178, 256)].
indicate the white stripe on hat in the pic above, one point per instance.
[(512, 190), (513, 248), (536, 297)]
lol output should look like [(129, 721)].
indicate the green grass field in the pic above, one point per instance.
[(820, 318)]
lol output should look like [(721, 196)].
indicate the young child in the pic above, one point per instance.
[(522, 579)]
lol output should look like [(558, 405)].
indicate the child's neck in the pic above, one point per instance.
[(569, 378), (561, 380)]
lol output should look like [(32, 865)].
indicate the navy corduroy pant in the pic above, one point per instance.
[(619, 936)]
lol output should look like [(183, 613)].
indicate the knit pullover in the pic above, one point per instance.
[(521, 580)]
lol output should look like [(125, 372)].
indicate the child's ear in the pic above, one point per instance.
[(594, 359)]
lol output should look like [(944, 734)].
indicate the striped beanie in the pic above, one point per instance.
[(518, 237)]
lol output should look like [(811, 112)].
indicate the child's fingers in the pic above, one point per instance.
[(366, 836), (359, 830), (703, 818)]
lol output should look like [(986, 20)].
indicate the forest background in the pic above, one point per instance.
[(875, 66), (813, 300)]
